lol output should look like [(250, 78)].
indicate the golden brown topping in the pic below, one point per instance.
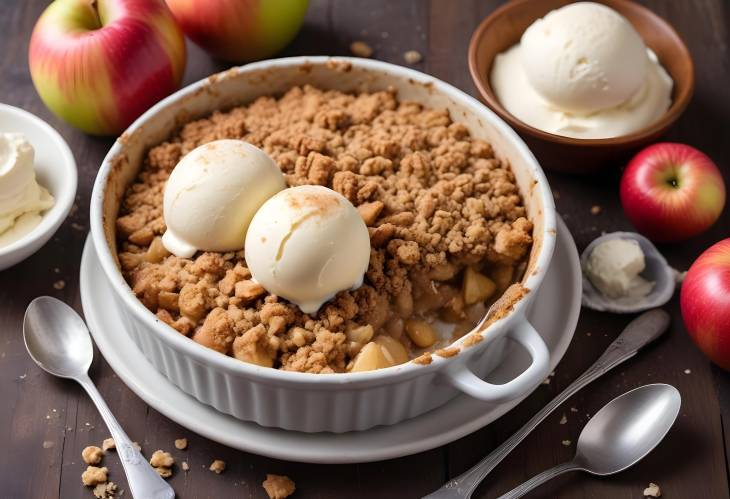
[(435, 199)]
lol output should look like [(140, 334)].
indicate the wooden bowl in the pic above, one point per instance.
[(503, 29)]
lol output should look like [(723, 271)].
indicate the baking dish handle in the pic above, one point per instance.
[(462, 378)]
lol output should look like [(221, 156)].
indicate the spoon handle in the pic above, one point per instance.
[(539, 479), (640, 332), (143, 480)]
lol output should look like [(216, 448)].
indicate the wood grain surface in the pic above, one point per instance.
[(45, 423)]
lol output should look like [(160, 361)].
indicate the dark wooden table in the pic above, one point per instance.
[(45, 423)]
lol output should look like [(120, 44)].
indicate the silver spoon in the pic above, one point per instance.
[(635, 336), (58, 341), (618, 436)]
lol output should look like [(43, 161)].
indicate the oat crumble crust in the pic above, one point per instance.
[(435, 201)]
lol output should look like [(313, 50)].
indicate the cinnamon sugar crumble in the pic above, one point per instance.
[(435, 201)]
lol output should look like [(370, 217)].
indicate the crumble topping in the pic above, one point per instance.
[(436, 201)]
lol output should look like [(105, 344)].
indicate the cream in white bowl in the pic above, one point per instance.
[(55, 175), (328, 402)]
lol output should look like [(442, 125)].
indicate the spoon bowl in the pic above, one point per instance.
[(618, 436), (625, 430), (58, 341)]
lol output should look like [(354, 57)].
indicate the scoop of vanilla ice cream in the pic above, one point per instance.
[(613, 267), (306, 244), (21, 198), (584, 57), (213, 193)]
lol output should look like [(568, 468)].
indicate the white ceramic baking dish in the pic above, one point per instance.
[(326, 402)]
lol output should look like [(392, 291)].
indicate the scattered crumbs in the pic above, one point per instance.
[(384, 34), (412, 57), (556, 194), (566, 442), (687, 371), (185, 466), (161, 459), (588, 334), (181, 443), (94, 476), (652, 490), (74, 209), (87, 424), (278, 486), (92, 454), (77, 226), (108, 444), (546, 381), (22, 376), (106, 490), (564, 419), (218, 466), (595, 209), (47, 444), (361, 49), (59, 285), (57, 270)]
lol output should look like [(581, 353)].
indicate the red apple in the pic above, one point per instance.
[(671, 192), (240, 30), (99, 64), (705, 301)]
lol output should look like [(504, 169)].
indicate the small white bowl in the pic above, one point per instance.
[(657, 270), (55, 169)]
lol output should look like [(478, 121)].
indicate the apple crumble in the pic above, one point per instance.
[(448, 233)]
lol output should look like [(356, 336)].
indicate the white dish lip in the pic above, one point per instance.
[(333, 381), (64, 197), (292, 445)]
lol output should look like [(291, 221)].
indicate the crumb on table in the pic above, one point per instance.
[(218, 466), (105, 490), (162, 459), (92, 454), (361, 49), (652, 490), (181, 443), (108, 444), (278, 486), (412, 57), (94, 476)]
